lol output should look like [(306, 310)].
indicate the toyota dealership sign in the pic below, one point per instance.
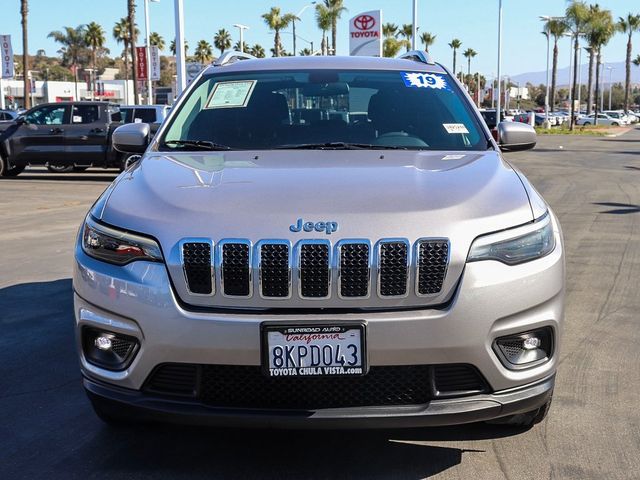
[(365, 34)]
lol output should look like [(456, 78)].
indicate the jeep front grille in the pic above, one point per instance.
[(314, 269)]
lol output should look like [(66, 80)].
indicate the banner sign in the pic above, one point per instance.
[(7, 56), (365, 34), (141, 62), (154, 55)]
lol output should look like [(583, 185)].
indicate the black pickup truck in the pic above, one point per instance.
[(63, 136)]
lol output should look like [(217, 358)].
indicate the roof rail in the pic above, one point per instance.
[(232, 56), (418, 56)]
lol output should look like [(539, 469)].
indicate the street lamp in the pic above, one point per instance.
[(148, 45), (181, 71), (304, 40), (498, 105), (241, 28), (611, 69), (293, 24)]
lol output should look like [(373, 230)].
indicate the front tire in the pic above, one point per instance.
[(527, 419), (5, 171), (586, 124), (53, 168), (615, 124)]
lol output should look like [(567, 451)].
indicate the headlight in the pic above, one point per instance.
[(117, 246), (517, 245)]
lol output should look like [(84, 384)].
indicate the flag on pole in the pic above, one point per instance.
[(7, 56)]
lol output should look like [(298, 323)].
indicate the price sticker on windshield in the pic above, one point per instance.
[(425, 80), (233, 94)]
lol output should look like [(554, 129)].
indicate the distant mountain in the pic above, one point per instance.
[(617, 76)]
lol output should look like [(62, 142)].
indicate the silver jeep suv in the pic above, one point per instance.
[(321, 242)]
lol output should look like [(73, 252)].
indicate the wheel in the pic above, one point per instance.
[(9, 172), (527, 419), (129, 160), (53, 168), (615, 124), (586, 124)]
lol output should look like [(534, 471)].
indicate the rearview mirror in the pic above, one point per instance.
[(131, 138), (515, 136)]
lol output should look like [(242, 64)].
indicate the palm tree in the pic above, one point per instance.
[(407, 32), (172, 47), (222, 40), (469, 53), (628, 25), (555, 28), (241, 48), (576, 16), (427, 40), (204, 52), (156, 40), (335, 8), (389, 30), (122, 34), (602, 28), (276, 22), (94, 38), (455, 44), (594, 11), (24, 13), (323, 19), (305, 52), (257, 51), (391, 46), (133, 35), (72, 49), (636, 61)]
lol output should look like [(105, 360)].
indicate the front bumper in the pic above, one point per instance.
[(144, 407), (492, 300)]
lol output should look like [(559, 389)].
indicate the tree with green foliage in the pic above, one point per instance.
[(122, 34), (406, 32), (335, 9), (469, 53), (257, 51), (576, 17), (628, 25), (156, 40), (427, 40), (73, 49), (172, 47), (277, 21), (222, 40), (601, 30), (94, 38), (455, 44), (323, 20), (555, 28), (204, 52)]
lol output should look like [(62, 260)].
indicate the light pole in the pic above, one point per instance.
[(611, 69), (181, 77), (570, 35), (293, 24), (601, 86), (304, 40), (241, 28), (546, 95), (498, 104), (148, 45), (414, 26)]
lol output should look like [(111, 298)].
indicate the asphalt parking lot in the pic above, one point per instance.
[(48, 430)]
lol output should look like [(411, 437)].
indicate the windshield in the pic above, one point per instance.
[(325, 109)]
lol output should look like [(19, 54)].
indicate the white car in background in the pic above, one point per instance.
[(620, 115), (603, 119)]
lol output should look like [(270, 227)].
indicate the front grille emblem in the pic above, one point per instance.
[(326, 227)]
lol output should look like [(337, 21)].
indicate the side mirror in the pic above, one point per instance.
[(131, 138), (516, 136), (21, 120)]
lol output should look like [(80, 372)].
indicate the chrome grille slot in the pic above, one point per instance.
[(314, 270), (393, 268), (275, 272), (235, 269), (433, 257), (354, 270), (198, 267)]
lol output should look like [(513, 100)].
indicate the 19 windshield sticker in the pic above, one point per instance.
[(425, 80)]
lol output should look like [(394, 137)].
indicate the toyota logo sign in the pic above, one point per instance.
[(364, 22), (365, 34)]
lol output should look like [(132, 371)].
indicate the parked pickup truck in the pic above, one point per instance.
[(63, 136)]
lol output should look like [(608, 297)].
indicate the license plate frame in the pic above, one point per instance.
[(317, 327)]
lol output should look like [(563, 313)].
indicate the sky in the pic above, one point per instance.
[(474, 22)]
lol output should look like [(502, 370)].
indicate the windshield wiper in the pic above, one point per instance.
[(197, 144), (339, 146)]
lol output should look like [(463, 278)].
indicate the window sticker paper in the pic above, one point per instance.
[(233, 94), (455, 128)]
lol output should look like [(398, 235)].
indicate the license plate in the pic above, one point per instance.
[(313, 350)]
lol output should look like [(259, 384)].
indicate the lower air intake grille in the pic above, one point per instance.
[(235, 269), (432, 266), (393, 273), (274, 270), (238, 386), (450, 379), (196, 257), (354, 270), (314, 270)]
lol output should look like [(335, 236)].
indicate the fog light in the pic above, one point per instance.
[(103, 343), (525, 350), (110, 350)]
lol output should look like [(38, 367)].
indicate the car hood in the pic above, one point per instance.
[(369, 194)]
